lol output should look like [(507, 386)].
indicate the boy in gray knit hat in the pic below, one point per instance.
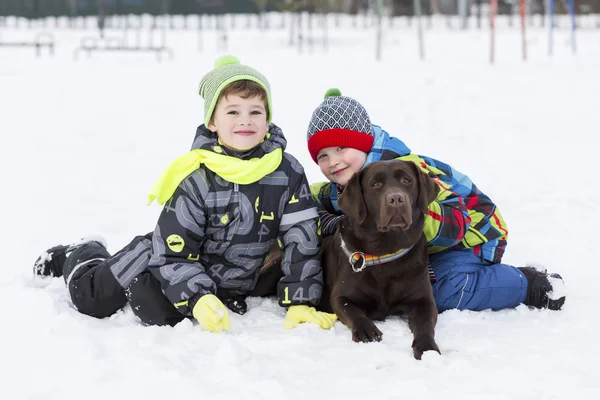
[(465, 231), (226, 203)]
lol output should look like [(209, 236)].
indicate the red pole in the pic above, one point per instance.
[(523, 38), (493, 10)]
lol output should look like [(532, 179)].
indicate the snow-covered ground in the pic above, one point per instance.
[(83, 141)]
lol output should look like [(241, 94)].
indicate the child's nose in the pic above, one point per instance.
[(244, 119)]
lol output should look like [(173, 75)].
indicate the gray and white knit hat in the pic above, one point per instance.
[(339, 121), (227, 70)]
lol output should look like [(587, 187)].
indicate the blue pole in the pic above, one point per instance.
[(572, 12), (551, 24), (462, 11)]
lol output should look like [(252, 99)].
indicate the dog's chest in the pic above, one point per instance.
[(377, 293)]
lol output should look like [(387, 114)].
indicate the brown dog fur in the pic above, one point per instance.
[(385, 205)]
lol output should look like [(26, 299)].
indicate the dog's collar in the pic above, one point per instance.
[(368, 260)]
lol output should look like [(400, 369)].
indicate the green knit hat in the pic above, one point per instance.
[(227, 70)]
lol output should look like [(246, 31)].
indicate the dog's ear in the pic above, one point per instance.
[(428, 189), (351, 200)]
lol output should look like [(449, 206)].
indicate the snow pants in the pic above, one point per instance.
[(466, 281), (100, 284)]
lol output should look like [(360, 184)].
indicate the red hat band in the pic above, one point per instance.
[(339, 137)]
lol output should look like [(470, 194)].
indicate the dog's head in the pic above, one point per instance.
[(388, 195)]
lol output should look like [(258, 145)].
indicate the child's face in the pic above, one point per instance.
[(338, 164), (241, 124)]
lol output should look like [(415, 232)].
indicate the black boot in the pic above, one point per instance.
[(540, 290), (51, 262)]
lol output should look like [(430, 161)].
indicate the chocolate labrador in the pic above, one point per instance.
[(375, 265)]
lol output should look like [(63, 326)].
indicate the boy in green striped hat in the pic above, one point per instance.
[(226, 203)]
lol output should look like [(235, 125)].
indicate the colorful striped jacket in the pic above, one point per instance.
[(461, 216)]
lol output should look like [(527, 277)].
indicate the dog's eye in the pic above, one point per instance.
[(376, 185), (406, 180)]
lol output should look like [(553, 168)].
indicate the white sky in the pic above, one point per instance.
[(83, 142)]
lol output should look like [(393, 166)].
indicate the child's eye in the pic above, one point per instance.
[(232, 112), (340, 148), (321, 157), (256, 112)]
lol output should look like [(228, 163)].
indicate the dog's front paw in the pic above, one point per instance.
[(366, 331), (423, 344)]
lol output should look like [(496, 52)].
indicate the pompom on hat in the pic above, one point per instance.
[(228, 69), (339, 121)]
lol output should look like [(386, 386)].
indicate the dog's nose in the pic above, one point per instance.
[(396, 199)]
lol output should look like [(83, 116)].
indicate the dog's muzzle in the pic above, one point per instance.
[(395, 212)]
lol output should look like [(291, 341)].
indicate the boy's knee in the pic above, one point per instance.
[(100, 307), (149, 303), (450, 290), (96, 292)]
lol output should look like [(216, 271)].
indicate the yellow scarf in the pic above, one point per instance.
[(229, 168)]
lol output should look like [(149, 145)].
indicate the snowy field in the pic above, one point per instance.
[(83, 142)]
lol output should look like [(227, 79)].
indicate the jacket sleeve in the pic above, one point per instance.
[(448, 218), (482, 223), (177, 238), (301, 263), (327, 220)]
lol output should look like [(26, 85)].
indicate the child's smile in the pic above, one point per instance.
[(338, 164), (240, 123)]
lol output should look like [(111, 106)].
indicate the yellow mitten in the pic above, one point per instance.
[(211, 313), (299, 314)]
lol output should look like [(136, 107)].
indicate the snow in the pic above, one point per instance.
[(83, 142)]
